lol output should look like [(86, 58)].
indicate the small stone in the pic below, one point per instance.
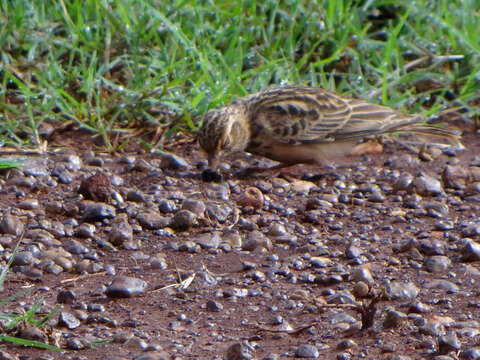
[(398, 290), (404, 182), (472, 353), (96, 187), (195, 206), (135, 196), (446, 285), (360, 289), (239, 351), (448, 342), (152, 220), (135, 344), (183, 220), (455, 177), (437, 263), (75, 343), (66, 296), (426, 185), (172, 161), (68, 320), (471, 251), (252, 196), (125, 287), (214, 306), (85, 231), (302, 186), (306, 351), (29, 204), (121, 231), (209, 240), (22, 258), (362, 273), (98, 212), (75, 247), (255, 239), (11, 224), (218, 212), (393, 318), (346, 344)]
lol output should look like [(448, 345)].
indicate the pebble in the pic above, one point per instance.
[(125, 287), (426, 185), (11, 224), (399, 290), (183, 220), (209, 240), (252, 197), (195, 206), (437, 263), (97, 212), (152, 220), (66, 296), (239, 351), (68, 320), (307, 351)]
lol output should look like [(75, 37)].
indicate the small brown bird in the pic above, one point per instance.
[(301, 124)]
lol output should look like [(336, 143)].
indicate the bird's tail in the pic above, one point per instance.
[(427, 132)]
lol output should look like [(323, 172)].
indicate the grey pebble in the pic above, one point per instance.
[(135, 196), (209, 240), (75, 247), (448, 342), (98, 211), (195, 206), (399, 290), (214, 306), (22, 258), (11, 224), (306, 351), (219, 212), (446, 285), (152, 220), (172, 161), (68, 320), (183, 220), (437, 263), (28, 204), (426, 185), (239, 351), (121, 231), (74, 343), (85, 230), (472, 353), (125, 287), (63, 175), (66, 296), (471, 251)]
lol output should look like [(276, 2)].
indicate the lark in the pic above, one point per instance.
[(301, 124)]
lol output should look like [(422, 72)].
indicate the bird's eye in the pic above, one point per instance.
[(226, 143)]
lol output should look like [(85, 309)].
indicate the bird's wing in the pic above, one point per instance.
[(296, 115)]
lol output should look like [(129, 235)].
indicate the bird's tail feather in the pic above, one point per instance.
[(448, 136)]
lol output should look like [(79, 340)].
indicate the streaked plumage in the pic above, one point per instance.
[(301, 124)]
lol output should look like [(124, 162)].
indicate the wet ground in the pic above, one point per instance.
[(373, 257)]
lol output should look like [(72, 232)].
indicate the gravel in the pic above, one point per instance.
[(141, 251)]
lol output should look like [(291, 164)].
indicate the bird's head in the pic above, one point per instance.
[(223, 131)]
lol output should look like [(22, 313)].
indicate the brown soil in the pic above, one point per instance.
[(208, 334)]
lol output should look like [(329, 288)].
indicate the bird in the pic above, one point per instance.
[(295, 124)]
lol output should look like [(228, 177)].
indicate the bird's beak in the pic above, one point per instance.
[(213, 161)]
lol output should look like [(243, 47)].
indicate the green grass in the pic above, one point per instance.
[(11, 323), (111, 66)]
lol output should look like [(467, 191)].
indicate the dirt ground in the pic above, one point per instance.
[(310, 260)]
